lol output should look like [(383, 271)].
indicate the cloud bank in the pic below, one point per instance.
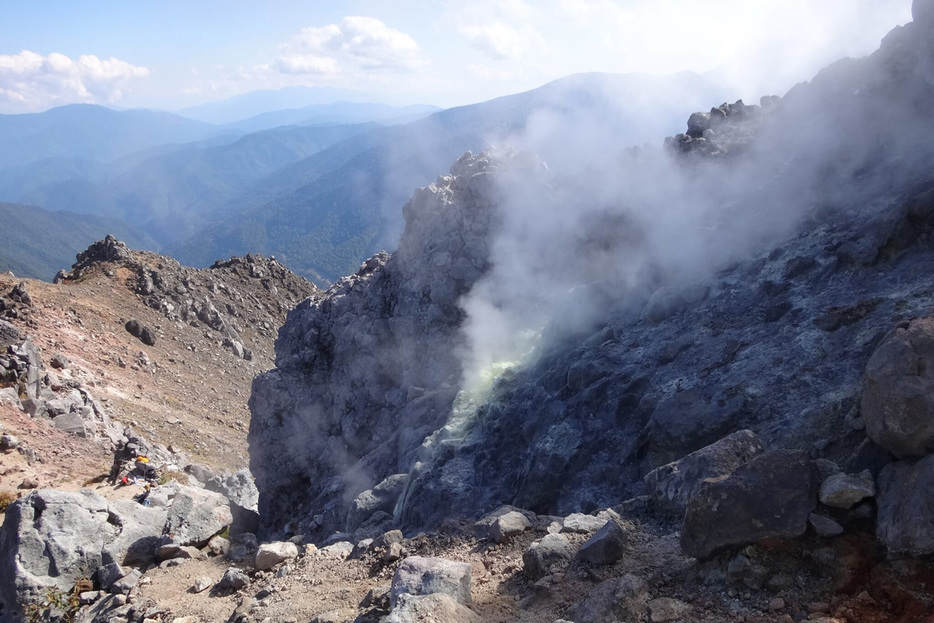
[(356, 44), (30, 81)]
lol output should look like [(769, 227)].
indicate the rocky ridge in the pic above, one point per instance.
[(775, 339)]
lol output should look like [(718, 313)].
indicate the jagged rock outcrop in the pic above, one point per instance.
[(366, 372), (251, 291), (822, 241)]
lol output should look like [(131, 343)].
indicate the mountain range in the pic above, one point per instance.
[(321, 192)]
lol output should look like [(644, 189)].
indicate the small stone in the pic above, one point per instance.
[(202, 584), (777, 604), (89, 597), (824, 526), (8, 442), (218, 545), (127, 583), (819, 607), (845, 491), (30, 482), (234, 579)]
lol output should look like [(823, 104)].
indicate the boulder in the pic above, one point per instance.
[(507, 526), (240, 489), (49, 539), (195, 516), (770, 496), (434, 608), (541, 555), (140, 530), (580, 523), (846, 491), (233, 580), (671, 486), (906, 517), (898, 400), (665, 609), (71, 423), (606, 546), (426, 576), (271, 554), (619, 599), (9, 335), (140, 331)]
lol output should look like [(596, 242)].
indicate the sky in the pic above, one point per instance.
[(174, 54)]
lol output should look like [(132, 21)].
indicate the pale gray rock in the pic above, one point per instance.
[(382, 497), (71, 423), (140, 528), (619, 599), (196, 515), (672, 486), (426, 576), (846, 491), (127, 583), (51, 538), (271, 554), (508, 525), (202, 584), (434, 608), (552, 549), (580, 523)]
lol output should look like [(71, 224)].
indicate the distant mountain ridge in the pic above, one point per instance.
[(320, 197), (40, 242)]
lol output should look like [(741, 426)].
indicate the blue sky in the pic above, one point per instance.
[(171, 54)]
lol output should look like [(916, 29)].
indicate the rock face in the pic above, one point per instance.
[(771, 496), (898, 402), (906, 519), (366, 373), (52, 538), (769, 332)]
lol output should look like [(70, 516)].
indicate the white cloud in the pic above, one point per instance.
[(31, 81), (504, 41), (356, 44)]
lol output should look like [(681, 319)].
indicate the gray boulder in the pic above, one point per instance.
[(426, 576), (846, 491), (434, 608), (240, 490), (606, 546), (580, 523), (906, 518), (508, 525), (898, 400), (195, 516), (271, 554), (140, 530), (50, 539), (671, 486), (770, 496), (9, 335), (553, 549), (620, 599)]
